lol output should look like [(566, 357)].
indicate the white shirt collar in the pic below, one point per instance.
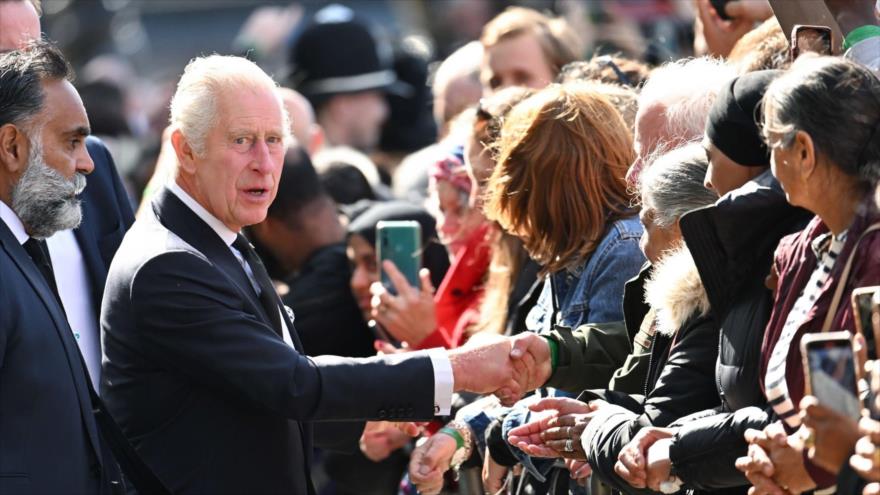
[(225, 233), (14, 223)]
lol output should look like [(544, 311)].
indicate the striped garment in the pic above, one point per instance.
[(827, 248)]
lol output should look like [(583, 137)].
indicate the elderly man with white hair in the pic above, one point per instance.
[(203, 368), (673, 107)]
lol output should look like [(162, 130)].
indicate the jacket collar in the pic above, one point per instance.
[(222, 231), (732, 242)]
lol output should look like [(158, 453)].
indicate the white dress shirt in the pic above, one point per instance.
[(73, 287), (75, 290), (443, 377)]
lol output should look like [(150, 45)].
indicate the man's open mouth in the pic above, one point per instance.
[(257, 192)]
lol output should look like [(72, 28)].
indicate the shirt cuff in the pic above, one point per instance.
[(443, 381)]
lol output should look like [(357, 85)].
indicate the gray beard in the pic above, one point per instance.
[(44, 200)]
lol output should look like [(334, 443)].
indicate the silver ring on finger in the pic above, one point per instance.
[(569, 445)]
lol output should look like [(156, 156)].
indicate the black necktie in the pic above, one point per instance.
[(268, 297), (39, 252)]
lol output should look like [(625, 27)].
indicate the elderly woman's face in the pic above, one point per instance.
[(657, 240), (365, 271)]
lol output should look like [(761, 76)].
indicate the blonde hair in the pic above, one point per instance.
[(194, 105), (559, 43), (560, 174)]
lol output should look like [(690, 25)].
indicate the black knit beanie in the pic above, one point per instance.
[(733, 120)]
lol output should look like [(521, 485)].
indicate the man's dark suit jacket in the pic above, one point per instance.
[(49, 441), (204, 386), (107, 215)]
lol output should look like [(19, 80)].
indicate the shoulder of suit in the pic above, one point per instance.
[(148, 239)]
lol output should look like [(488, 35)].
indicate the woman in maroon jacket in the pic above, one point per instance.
[(822, 122)]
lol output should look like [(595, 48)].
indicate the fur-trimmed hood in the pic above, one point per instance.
[(675, 291)]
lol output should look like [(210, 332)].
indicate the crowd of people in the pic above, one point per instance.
[(633, 278)]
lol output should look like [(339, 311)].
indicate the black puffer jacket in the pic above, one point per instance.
[(680, 373), (732, 243)]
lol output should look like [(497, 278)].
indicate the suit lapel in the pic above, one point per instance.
[(74, 360), (181, 220)]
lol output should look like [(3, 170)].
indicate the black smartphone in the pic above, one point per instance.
[(720, 7), (401, 242), (830, 371), (863, 307), (809, 38)]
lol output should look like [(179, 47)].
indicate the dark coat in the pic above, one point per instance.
[(47, 446), (680, 374), (328, 318), (49, 440), (732, 243), (204, 386)]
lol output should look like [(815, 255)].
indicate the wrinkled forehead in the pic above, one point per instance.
[(259, 108)]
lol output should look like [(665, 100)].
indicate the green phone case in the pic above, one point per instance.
[(400, 241)]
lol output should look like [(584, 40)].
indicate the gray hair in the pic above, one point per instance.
[(836, 102), (673, 184), (194, 105), (687, 88)]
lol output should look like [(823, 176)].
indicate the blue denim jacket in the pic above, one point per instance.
[(592, 292)]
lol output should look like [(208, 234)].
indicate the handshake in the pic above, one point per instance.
[(508, 367)]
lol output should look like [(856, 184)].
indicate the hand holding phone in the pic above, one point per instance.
[(830, 371)]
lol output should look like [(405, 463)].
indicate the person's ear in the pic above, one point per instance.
[(14, 148), (186, 156), (805, 154)]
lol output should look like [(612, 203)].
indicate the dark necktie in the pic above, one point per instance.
[(39, 252), (268, 297)]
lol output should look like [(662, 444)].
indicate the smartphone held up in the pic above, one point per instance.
[(830, 371), (399, 241)]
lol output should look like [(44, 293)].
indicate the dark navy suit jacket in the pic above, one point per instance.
[(204, 386), (107, 215), (49, 441)]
